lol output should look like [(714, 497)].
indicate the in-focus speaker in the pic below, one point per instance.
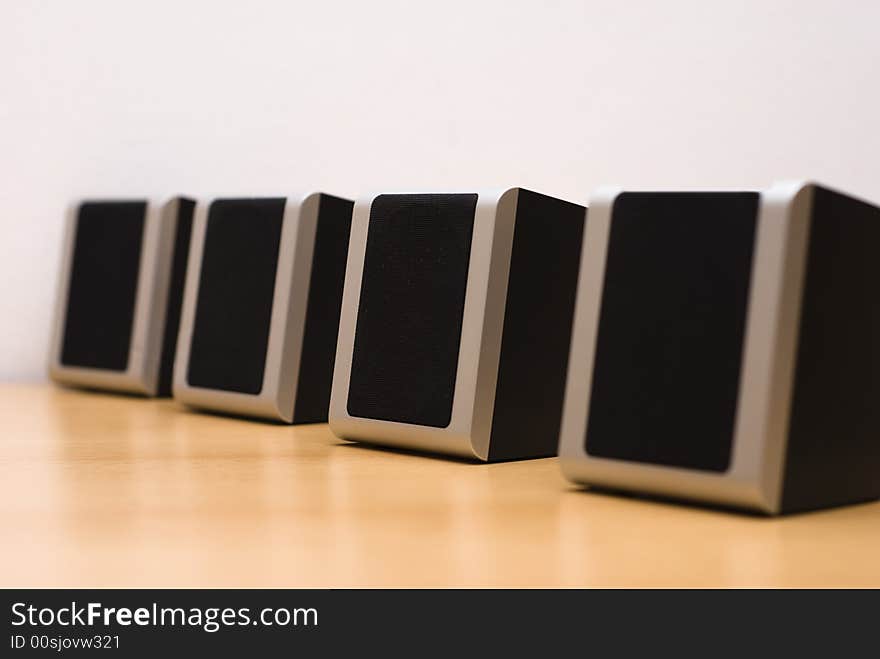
[(120, 292), (726, 348), (261, 306), (456, 321)]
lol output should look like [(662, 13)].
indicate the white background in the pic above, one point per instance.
[(111, 98)]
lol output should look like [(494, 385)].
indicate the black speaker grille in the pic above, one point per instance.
[(236, 286), (411, 308), (103, 284), (670, 336)]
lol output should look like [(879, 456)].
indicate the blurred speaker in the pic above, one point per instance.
[(120, 292), (727, 348), (261, 307), (456, 322)]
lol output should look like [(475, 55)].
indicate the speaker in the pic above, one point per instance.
[(261, 306), (119, 295), (456, 320), (726, 348)]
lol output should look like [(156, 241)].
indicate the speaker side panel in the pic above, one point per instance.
[(833, 450), (538, 319), (182, 234), (322, 316)]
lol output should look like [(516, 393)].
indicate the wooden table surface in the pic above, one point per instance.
[(106, 490)]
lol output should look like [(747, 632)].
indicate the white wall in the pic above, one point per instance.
[(154, 98)]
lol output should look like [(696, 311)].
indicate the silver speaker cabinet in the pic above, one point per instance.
[(726, 348), (455, 325), (119, 294), (261, 306)]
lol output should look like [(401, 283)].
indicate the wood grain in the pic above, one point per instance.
[(105, 490)]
